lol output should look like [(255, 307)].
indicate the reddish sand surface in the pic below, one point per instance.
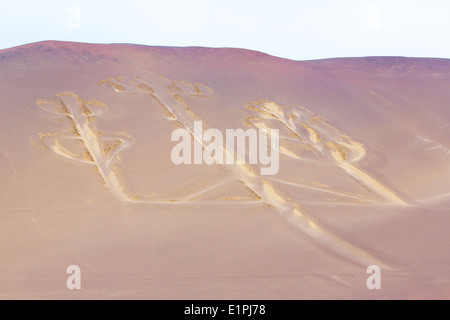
[(87, 177)]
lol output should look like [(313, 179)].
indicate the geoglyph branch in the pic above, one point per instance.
[(326, 140), (82, 142)]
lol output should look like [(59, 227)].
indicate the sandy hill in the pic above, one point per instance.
[(87, 177)]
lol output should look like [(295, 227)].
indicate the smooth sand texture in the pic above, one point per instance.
[(87, 177)]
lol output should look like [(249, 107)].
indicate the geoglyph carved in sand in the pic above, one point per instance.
[(83, 142), (318, 137)]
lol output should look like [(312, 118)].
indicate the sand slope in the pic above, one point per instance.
[(88, 180)]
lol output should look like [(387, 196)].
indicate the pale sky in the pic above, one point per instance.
[(294, 29)]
